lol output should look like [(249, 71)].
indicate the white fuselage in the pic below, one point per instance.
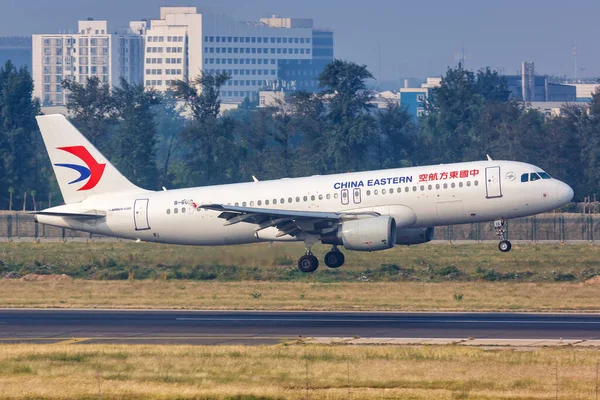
[(435, 195)]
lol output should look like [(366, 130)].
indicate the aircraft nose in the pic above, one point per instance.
[(564, 193)]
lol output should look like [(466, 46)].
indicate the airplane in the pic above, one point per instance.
[(361, 211)]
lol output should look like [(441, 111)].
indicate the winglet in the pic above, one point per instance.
[(488, 157)]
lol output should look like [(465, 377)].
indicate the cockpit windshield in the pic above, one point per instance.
[(534, 176)]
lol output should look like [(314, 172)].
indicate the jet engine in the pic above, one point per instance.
[(364, 234), (414, 235)]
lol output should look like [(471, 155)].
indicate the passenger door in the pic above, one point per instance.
[(140, 215), (493, 185)]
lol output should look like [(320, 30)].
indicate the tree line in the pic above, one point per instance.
[(180, 138)]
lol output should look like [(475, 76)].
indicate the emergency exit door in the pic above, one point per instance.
[(356, 197), (493, 185), (140, 216)]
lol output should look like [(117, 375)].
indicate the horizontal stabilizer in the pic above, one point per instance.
[(86, 215)]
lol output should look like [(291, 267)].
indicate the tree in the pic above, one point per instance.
[(201, 95), (565, 151), (309, 121), (350, 128), (452, 130), (169, 125), (397, 136), (92, 109), (491, 86), (18, 133), (208, 146), (589, 140), (134, 151)]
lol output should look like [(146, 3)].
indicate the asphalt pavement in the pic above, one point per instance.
[(256, 327)]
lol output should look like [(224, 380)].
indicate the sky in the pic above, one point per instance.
[(394, 38)]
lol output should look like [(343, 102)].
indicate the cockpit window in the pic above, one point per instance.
[(525, 178), (534, 176), (544, 175)]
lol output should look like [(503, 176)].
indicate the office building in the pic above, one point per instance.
[(274, 52), (91, 51)]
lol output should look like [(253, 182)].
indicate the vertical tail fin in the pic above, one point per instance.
[(81, 170)]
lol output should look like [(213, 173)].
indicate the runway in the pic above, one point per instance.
[(255, 327)]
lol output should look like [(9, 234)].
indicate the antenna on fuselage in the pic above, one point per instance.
[(488, 157), (254, 178)]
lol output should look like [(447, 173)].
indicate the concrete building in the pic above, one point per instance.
[(381, 100), (584, 91), (551, 108), (529, 87), (272, 98), (91, 51), (173, 48), (288, 52), (415, 99)]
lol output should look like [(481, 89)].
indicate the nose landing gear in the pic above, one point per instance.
[(500, 229)]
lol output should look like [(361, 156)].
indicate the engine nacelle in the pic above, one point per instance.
[(364, 234), (414, 235)]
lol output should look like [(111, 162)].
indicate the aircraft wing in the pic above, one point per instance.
[(288, 222)]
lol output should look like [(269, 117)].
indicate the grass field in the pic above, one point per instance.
[(429, 277), (261, 262), (294, 371), (353, 296)]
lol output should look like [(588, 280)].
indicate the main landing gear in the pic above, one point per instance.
[(335, 258), (500, 228), (309, 263)]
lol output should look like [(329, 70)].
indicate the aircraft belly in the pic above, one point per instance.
[(450, 211)]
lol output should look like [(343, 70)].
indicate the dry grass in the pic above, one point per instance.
[(279, 372), (477, 296)]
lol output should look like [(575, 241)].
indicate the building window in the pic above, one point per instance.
[(420, 111), (420, 98)]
